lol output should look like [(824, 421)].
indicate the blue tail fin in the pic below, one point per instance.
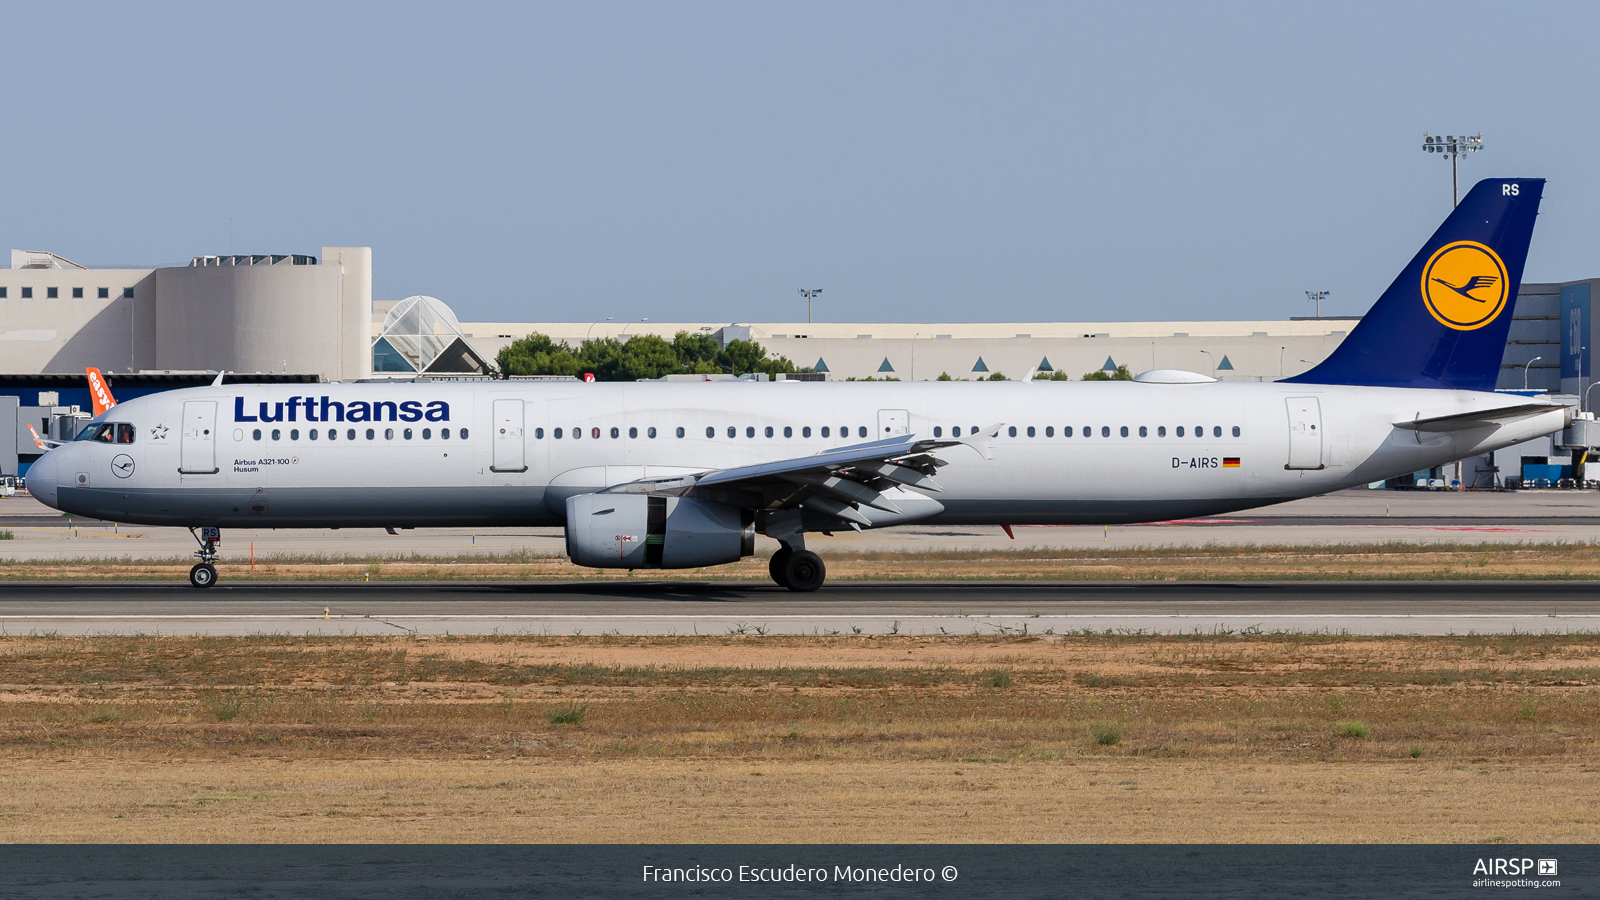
[(1443, 322)]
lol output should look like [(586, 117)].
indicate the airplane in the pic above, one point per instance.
[(678, 475)]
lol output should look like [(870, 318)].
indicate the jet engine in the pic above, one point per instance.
[(639, 531)]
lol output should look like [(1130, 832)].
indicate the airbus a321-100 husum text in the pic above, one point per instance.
[(669, 476)]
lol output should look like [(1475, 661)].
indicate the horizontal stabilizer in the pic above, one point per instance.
[(1480, 418)]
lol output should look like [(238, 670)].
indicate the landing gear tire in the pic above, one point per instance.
[(203, 575), (776, 566), (803, 572)]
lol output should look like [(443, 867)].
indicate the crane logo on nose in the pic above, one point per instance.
[(122, 465)]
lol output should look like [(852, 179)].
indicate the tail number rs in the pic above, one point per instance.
[(1510, 190)]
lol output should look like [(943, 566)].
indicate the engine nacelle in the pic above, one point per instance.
[(637, 531)]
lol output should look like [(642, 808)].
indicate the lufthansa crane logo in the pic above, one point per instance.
[(1464, 285)]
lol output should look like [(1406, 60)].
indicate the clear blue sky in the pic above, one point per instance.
[(917, 161)]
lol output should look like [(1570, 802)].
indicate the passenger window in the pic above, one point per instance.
[(844, 432), (1161, 431), (1178, 431), (125, 434), (937, 431), (1143, 431), (256, 434), (749, 431), (787, 431), (956, 431), (1030, 431), (294, 434), (1012, 431), (862, 431), (806, 431), (1105, 431), (1088, 431), (406, 434), (1199, 431), (732, 431), (277, 434), (463, 434), (769, 431), (350, 434), (1049, 431), (1235, 431), (556, 433), (1066, 431), (1124, 431), (710, 432), (652, 432), (617, 432), (824, 431), (333, 434), (633, 432), (577, 434), (680, 431), (595, 433), (312, 434), (1216, 431)]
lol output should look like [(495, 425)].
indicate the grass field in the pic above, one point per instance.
[(1078, 738), (1355, 561)]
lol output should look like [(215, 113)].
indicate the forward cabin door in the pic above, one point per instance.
[(510, 445), (1305, 433), (197, 446), (893, 423)]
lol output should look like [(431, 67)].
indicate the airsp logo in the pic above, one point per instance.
[(1464, 285)]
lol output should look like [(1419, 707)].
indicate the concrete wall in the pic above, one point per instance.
[(65, 334)]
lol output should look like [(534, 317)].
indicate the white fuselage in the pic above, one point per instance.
[(1076, 466)]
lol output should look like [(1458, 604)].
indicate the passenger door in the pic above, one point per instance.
[(1305, 433), (197, 446), (893, 423), (510, 444)]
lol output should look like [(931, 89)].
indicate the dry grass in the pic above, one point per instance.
[(1088, 737), (1388, 561)]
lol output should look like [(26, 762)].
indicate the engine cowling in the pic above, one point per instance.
[(638, 531)]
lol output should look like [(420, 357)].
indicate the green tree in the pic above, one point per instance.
[(1122, 374), (744, 357), (1057, 375), (996, 376), (944, 376), (537, 354)]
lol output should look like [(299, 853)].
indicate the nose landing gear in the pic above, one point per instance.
[(204, 573)]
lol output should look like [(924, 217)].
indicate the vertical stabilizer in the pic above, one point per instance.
[(1443, 322)]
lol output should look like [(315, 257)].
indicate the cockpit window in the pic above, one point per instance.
[(108, 433)]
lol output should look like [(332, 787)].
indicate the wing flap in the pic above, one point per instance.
[(1480, 418)]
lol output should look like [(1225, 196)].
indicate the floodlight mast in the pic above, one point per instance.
[(809, 294), (1452, 146), (1316, 298)]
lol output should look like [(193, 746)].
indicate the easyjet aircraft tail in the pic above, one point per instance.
[(99, 392), (1444, 320)]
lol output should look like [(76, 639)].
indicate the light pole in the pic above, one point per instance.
[(590, 332), (1213, 362), (809, 294), (1525, 370), (1316, 297), (1280, 360), (1152, 354), (1452, 146)]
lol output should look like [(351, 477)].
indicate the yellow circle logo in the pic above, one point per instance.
[(1464, 285)]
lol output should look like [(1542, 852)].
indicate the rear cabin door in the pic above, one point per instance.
[(197, 447), (510, 445), (893, 423), (1305, 433)]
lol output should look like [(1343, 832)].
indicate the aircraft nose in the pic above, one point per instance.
[(42, 479)]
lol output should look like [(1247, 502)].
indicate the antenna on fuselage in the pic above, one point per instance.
[(218, 382)]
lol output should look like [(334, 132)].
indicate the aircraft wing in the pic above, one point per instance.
[(835, 482), (1481, 418)]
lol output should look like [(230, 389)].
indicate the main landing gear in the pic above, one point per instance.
[(798, 570), (204, 573)]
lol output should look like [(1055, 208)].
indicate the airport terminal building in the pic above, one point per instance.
[(304, 317)]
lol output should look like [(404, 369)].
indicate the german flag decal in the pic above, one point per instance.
[(1230, 462)]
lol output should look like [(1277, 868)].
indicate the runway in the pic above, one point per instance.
[(679, 608)]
